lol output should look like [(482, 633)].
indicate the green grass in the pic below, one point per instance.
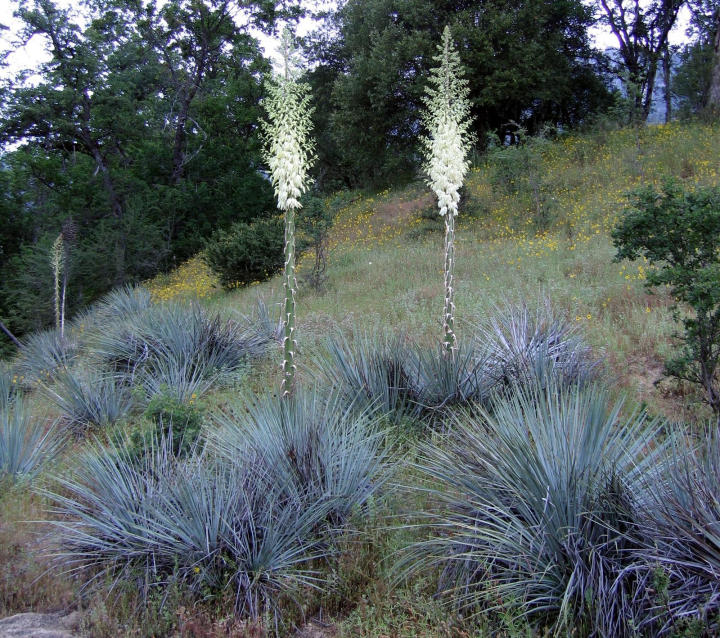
[(397, 282), (385, 275)]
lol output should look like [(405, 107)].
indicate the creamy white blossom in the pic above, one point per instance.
[(447, 120), (288, 152)]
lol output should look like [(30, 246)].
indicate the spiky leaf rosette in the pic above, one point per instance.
[(288, 151), (447, 120)]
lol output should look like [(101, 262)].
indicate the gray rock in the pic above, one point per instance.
[(40, 626)]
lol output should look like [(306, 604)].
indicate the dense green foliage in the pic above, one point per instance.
[(677, 231), (137, 141), (247, 252), (528, 62)]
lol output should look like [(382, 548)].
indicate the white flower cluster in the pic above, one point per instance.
[(288, 164), (447, 166), (447, 120)]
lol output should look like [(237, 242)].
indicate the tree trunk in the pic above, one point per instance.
[(10, 335), (649, 90), (713, 103)]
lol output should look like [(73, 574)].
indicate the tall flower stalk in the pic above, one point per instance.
[(288, 151), (447, 120), (57, 261)]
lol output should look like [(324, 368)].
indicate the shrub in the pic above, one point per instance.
[(535, 508), (177, 421), (327, 451), (26, 442), (87, 399), (678, 232), (247, 252), (314, 222), (521, 348), (518, 169), (208, 525)]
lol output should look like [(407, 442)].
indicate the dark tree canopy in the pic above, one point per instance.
[(528, 62), (140, 133)]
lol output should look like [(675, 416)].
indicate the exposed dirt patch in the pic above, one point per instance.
[(315, 629), (398, 211), (675, 400)]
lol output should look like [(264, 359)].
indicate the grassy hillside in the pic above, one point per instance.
[(534, 230), (385, 258)]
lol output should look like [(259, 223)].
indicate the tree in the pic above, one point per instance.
[(642, 31), (528, 60), (713, 102), (141, 129), (705, 24), (678, 232)]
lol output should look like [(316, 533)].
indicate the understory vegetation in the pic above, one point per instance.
[(545, 479)]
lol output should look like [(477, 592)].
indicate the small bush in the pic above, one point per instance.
[(177, 421), (536, 508), (315, 219), (26, 442), (247, 252), (678, 231)]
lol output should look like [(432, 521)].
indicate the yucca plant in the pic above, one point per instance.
[(43, 354), (177, 378), (535, 509), (57, 262), (288, 151), (26, 441), (683, 532), (89, 398), (8, 385), (447, 120), (121, 303), (211, 525), (520, 347), (371, 372), (327, 450), (177, 338), (442, 382)]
